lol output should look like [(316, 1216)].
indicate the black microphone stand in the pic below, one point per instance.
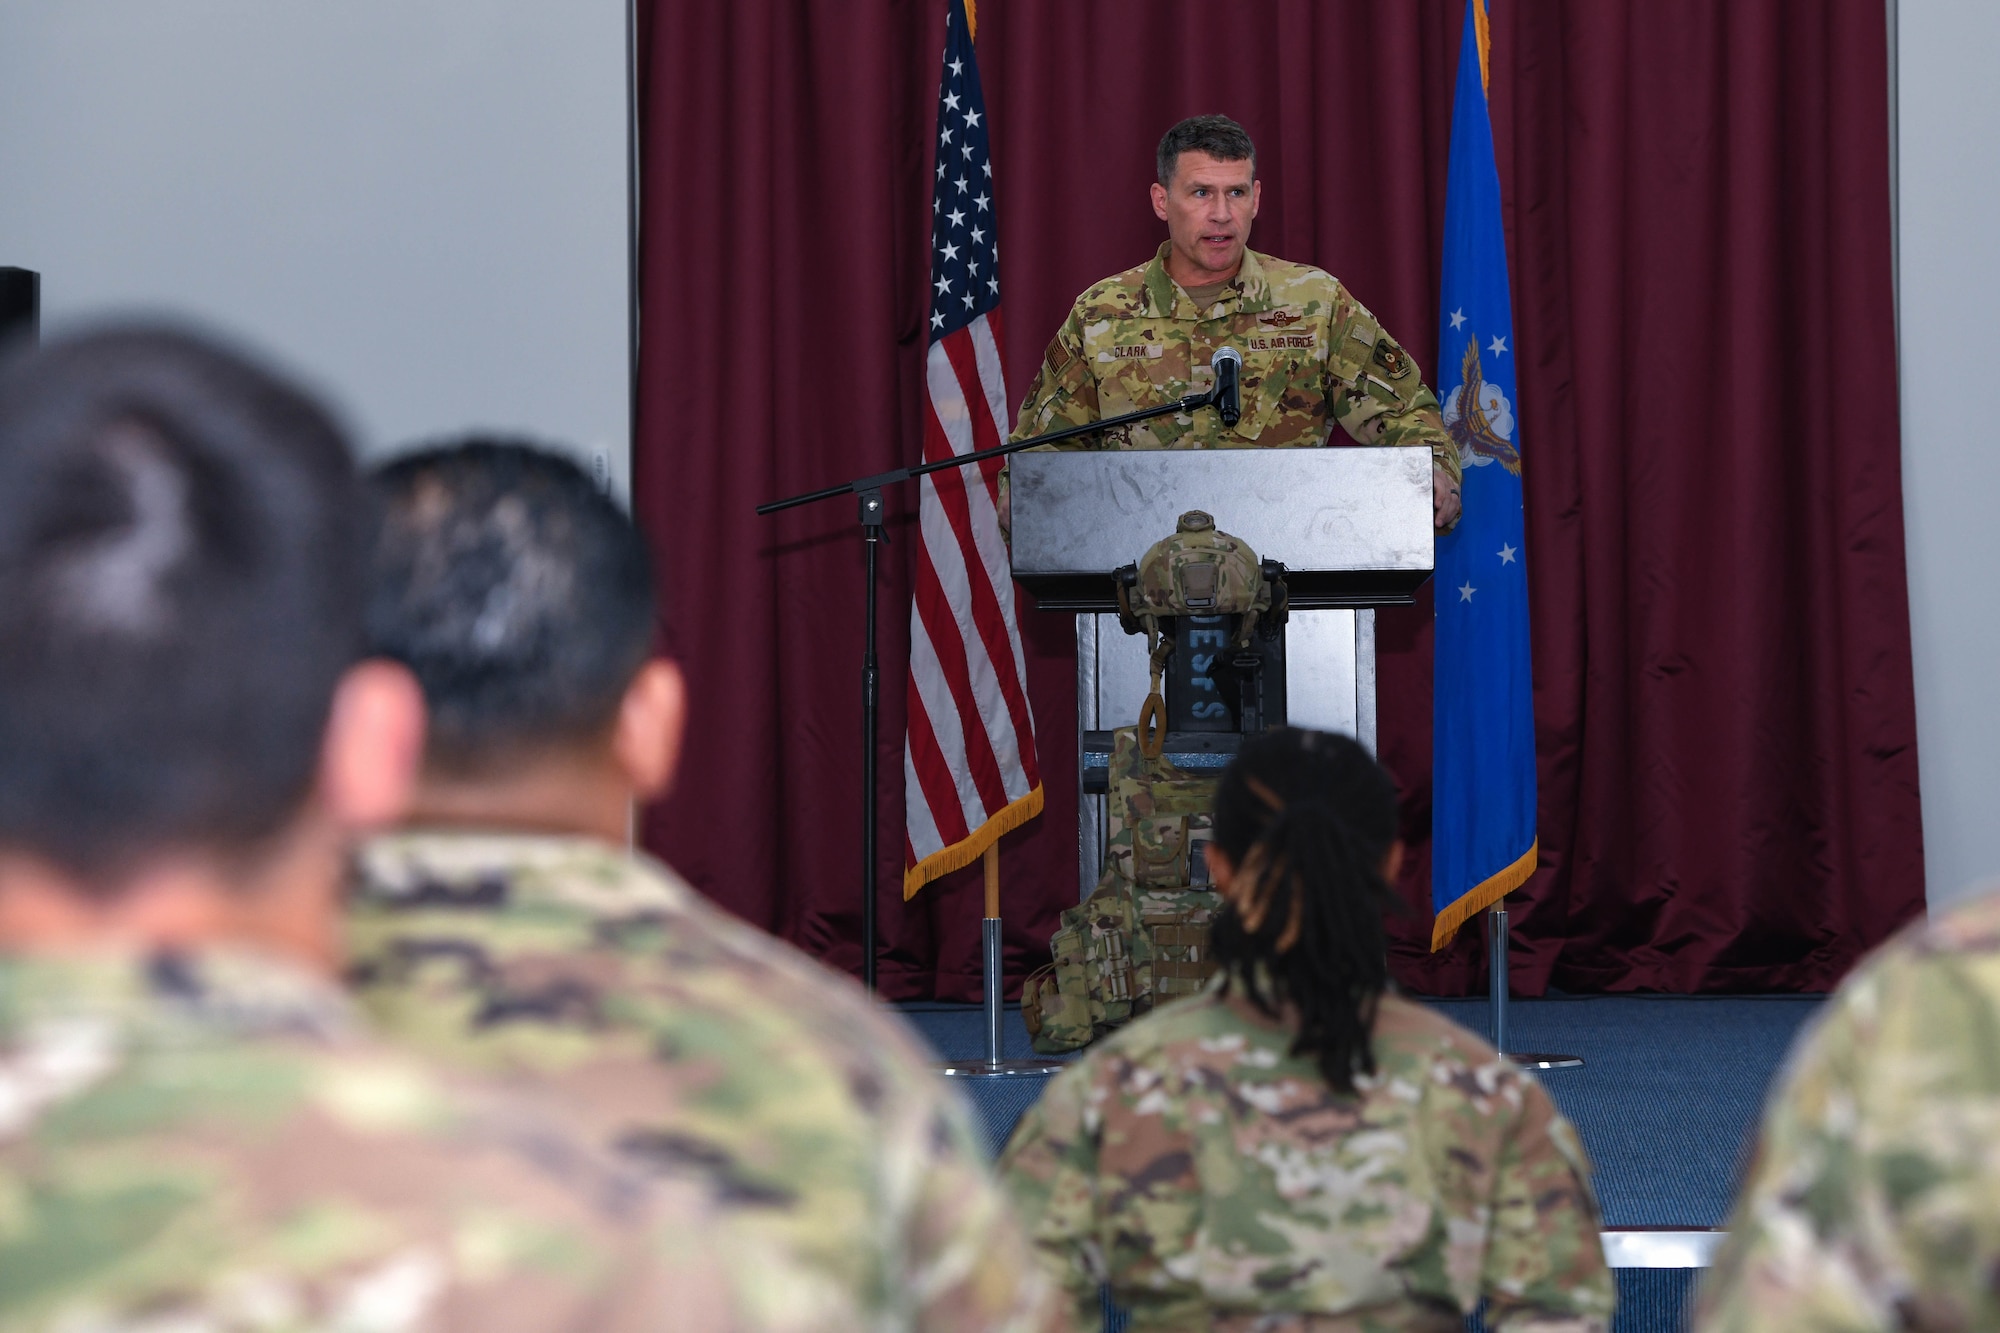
[(869, 489)]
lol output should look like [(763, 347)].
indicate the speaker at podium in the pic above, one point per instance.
[(1351, 525)]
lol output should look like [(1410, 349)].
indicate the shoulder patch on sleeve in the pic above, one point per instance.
[(1392, 358), (1058, 357)]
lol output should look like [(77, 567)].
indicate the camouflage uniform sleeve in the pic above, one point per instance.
[(1050, 1169), (1378, 395), (1064, 392), (1545, 1266), (975, 1269), (1874, 1200), (1785, 1263)]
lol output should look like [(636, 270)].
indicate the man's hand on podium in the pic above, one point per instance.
[(1445, 507)]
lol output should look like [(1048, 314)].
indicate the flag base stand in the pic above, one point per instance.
[(993, 1066), (1496, 943)]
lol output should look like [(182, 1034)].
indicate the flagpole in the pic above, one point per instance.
[(989, 932), (1496, 946), (996, 1065)]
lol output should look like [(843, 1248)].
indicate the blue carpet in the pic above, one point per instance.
[(1654, 1300), (958, 1032), (1669, 1095)]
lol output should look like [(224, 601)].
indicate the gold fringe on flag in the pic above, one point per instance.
[(1482, 896), (972, 19), (973, 846), (1479, 21)]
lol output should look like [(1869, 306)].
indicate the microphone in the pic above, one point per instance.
[(1227, 396)]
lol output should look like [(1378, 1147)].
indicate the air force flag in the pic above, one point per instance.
[(1483, 764)]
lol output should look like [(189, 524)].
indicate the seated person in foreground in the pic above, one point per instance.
[(1873, 1200), (510, 928), (197, 1134), (1298, 1141)]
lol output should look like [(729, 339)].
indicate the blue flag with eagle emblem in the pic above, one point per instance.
[(1483, 716)]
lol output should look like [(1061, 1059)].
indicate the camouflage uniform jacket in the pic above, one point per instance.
[(1312, 356), (1874, 1199), (205, 1143), (858, 1198), (1212, 1179)]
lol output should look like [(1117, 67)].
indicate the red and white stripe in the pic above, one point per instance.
[(969, 757)]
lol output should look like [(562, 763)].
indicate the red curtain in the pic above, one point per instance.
[(1698, 219)]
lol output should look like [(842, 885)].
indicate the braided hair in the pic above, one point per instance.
[(1308, 821)]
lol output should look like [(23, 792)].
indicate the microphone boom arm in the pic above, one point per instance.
[(860, 485)]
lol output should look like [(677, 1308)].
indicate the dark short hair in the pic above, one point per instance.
[(519, 594), (1218, 136), (180, 590)]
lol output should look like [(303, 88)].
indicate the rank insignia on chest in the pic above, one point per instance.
[(1392, 359)]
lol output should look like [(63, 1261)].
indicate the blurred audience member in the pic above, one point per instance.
[(511, 928), (1874, 1199), (193, 1132), (1299, 1147)]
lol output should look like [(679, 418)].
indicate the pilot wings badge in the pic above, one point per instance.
[(1480, 420)]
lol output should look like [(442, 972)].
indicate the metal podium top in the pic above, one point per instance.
[(1352, 524)]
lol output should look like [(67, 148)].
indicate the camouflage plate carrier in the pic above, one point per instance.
[(1142, 937)]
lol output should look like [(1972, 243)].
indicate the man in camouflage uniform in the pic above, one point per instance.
[(1313, 356), (195, 1134), (1213, 1179), (510, 929), (1874, 1198)]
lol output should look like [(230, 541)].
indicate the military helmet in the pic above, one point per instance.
[(1198, 571)]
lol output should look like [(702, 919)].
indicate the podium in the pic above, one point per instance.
[(1351, 524)]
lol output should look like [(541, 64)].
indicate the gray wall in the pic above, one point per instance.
[(421, 203), (1948, 170)]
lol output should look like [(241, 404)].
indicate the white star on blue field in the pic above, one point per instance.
[(965, 251)]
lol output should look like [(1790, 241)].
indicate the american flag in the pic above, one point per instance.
[(969, 758)]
